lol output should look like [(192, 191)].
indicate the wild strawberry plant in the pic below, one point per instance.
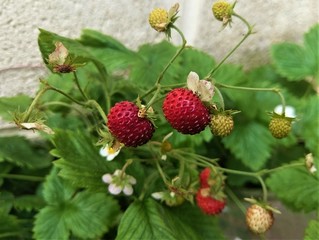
[(157, 143)]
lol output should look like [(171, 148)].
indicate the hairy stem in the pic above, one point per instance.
[(249, 32), (76, 80), (275, 90), (160, 77)]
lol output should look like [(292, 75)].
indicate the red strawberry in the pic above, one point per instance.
[(185, 111), (208, 204), (127, 127), (204, 177)]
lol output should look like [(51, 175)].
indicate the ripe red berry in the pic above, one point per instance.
[(208, 204), (185, 111), (204, 177), (259, 219), (127, 127)]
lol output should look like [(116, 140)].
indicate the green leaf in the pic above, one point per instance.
[(311, 41), (85, 214), (153, 59), (150, 220), (144, 220), (108, 50), (50, 224), (28, 202), (56, 191), (250, 143), (80, 161), (290, 60), (308, 123), (312, 231), (19, 151), (92, 214), (194, 60), (8, 105), (6, 202), (295, 187), (9, 227), (46, 42), (297, 62)]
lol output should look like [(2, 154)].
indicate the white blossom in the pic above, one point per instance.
[(289, 111), (119, 182), (109, 152)]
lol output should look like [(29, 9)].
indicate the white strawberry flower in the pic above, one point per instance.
[(310, 163), (119, 182), (109, 152), (203, 88), (289, 111)]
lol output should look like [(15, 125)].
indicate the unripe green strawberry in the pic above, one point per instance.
[(158, 19), (222, 10), (259, 219), (221, 124), (280, 126)]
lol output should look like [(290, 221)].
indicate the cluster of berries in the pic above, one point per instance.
[(210, 197), (188, 110)]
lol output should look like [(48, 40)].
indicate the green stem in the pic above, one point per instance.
[(160, 170), (292, 165), (128, 162), (22, 177), (79, 87), (94, 104), (220, 96), (235, 199), (66, 95), (34, 102), (181, 169), (174, 57), (275, 90), (249, 32), (264, 188), (158, 89)]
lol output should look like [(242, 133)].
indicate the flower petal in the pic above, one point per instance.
[(111, 156), (114, 189), (107, 178), (104, 152), (128, 190), (131, 179), (205, 90), (157, 195), (192, 81), (289, 111)]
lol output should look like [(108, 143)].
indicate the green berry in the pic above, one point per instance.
[(221, 124), (158, 19), (280, 126), (222, 10)]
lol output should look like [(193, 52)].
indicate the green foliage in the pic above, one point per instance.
[(71, 211), (312, 231), (296, 187), (242, 143), (297, 62), (79, 160), (8, 105), (19, 151), (163, 223)]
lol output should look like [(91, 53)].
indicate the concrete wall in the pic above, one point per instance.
[(21, 64)]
